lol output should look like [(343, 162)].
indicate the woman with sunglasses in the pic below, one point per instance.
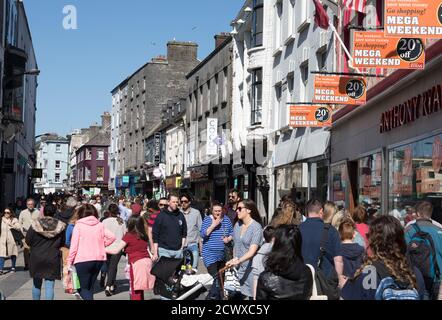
[(8, 247), (247, 237)]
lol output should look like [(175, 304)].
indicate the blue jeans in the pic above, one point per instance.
[(178, 254), (49, 289), (195, 253), (2, 262), (87, 274)]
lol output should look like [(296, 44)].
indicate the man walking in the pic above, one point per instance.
[(235, 197), (169, 231), (314, 232), (26, 217), (194, 222)]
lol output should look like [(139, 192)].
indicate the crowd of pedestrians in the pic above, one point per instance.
[(311, 251)]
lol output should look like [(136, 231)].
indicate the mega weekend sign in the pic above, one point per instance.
[(340, 90), (371, 49), (310, 116), (413, 18)]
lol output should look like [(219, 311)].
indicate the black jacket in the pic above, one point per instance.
[(169, 229), (45, 238), (294, 284), (65, 216)]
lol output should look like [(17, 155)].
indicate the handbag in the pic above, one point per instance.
[(315, 295), (229, 282), (228, 248), (326, 285), (18, 236)]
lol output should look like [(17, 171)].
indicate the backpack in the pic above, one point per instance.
[(390, 288), (422, 254)]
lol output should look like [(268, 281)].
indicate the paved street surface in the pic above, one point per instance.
[(18, 285)]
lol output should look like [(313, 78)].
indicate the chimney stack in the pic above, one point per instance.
[(220, 38), (106, 120)]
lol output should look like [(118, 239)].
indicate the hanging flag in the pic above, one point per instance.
[(321, 17), (355, 5)]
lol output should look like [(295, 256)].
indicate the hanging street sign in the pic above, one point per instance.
[(340, 90)]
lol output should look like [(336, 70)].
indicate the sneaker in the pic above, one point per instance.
[(77, 295), (107, 292), (12, 270), (113, 289), (2, 272)]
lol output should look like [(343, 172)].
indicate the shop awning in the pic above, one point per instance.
[(299, 145)]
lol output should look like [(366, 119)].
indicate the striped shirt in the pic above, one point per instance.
[(213, 244)]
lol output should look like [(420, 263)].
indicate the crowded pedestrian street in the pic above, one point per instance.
[(237, 152)]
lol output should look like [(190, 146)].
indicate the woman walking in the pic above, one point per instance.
[(45, 238), (135, 243), (216, 232), (87, 249), (8, 247), (286, 277), (117, 226), (247, 237)]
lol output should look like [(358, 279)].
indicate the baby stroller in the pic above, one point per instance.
[(173, 282)]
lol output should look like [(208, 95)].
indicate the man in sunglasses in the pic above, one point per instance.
[(194, 222), (169, 231), (235, 197)]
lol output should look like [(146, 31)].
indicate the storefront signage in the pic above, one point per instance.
[(418, 106), (199, 173), (212, 137), (157, 146), (340, 90), (413, 18), (437, 154), (310, 116), (371, 49)]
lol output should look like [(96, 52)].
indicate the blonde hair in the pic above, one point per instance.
[(330, 210)]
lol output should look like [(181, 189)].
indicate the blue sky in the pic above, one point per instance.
[(80, 67)]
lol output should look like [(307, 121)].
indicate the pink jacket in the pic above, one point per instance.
[(89, 240)]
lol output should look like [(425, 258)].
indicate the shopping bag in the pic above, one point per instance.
[(75, 279)]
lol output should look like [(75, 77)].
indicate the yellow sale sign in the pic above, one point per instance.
[(371, 49), (340, 90), (413, 18)]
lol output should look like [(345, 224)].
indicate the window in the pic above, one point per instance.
[(278, 23), (208, 96), (277, 111), (258, 22), (88, 154), (370, 177), (100, 154), (58, 148), (57, 177), (87, 175), (340, 185), (303, 94), (100, 173), (256, 96), (57, 164), (216, 90), (322, 61), (415, 175), (225, 85)]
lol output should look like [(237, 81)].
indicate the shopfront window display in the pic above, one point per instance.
[(340, 185), (414, 175), (369, 183)]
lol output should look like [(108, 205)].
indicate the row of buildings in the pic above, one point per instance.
[(18, 91), (180, 124), (207, 126), (77, 163)]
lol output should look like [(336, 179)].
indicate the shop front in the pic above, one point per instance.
[(301, 164), (386, 155), (201, 181), (173, 184)]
